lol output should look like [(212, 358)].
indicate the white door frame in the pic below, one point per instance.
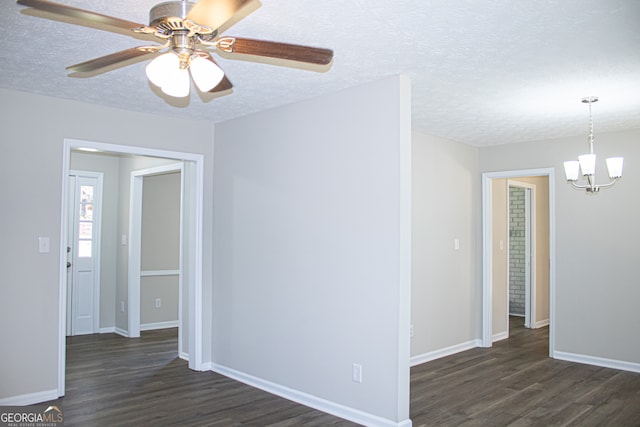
[(530, 252), (192, 245), (135, 247), (487, 238), (97, 232)]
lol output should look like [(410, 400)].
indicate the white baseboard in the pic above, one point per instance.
[(122, 332), (305, 399), (500, 336), (541, 324), (448, 351), (29, 398), (185, 356), (107, 330), (597, 361), (159, 325)]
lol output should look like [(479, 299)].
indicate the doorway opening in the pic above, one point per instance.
[(192, 181), (521, 251), (495, 298), (155, 261)]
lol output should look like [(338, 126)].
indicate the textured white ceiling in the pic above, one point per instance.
[(483, 72)]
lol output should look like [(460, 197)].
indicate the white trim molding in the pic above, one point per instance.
[(541, 324), (598, 361), (156, 273), (159, 325), (121, 332), (311, 401), (500, 336), (444, 352), (30, 398)]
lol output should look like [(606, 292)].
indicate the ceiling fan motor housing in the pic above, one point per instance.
[(170, 9)]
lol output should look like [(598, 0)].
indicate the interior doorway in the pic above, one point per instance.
[(156, 275), (190, 244), (494, 298)]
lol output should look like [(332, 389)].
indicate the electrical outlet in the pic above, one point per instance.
[(122, 306), (158, 303), (356, 373)]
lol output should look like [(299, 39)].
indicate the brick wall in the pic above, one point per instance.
[(517, 267)]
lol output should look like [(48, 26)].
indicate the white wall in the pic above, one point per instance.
[(597, 286), (445, 290), (33, 130), (311, 248)]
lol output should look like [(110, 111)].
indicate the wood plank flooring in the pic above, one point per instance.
[(115, 381), (515, 383)]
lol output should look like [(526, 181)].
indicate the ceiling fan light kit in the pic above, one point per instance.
[(188, 31), (587, 163)]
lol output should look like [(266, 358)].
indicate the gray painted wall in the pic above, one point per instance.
[(445, 292), (160, 248), (311, 209)]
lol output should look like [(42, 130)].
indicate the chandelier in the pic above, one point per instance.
[(587, 163)]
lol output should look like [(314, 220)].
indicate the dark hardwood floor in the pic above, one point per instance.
[(515, 383), (115, 381)]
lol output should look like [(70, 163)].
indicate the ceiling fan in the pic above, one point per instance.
[(188, 31)]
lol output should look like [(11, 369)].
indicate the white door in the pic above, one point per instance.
[(83, 253)]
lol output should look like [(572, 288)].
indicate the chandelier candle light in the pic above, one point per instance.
[(587, 163)]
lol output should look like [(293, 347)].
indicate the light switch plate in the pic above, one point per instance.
[(43, 245)]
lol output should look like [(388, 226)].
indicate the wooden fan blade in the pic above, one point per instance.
[(291, 52), (214, 13), (113, 59), (81, 14)]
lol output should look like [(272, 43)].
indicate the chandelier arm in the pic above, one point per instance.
[(579, 186), (609, 184), (593, 187)]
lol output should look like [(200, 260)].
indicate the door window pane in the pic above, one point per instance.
[(86, 193), (85, 230), (84, 248), (86, 211)]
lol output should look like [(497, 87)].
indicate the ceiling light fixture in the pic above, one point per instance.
[(170, 72), (587, 163)]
